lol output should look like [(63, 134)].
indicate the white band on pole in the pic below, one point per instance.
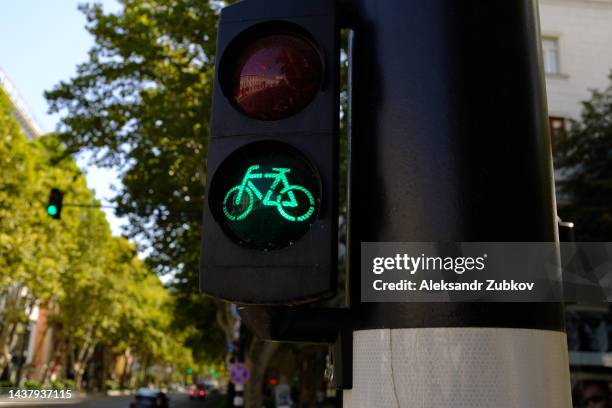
[(459, 367)]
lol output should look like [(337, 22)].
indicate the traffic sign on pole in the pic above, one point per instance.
[(239, 373)]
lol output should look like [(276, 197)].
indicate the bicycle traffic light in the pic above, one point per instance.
[(270, 219), (54, 206)]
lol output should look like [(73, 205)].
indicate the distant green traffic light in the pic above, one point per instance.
[(54, 206), (189, 371), (52, 210)]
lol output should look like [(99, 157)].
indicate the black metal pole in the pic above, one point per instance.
[(449, 143)]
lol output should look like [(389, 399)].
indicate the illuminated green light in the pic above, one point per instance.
[(289, 191), (51, 210), (265, 195), (237, 198)]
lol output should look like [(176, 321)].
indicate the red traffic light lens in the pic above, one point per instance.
[(274, 76)]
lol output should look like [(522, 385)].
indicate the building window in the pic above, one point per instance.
[(557, 125), (550, 49)]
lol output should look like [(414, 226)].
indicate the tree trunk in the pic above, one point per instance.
[(127, 364), (13, 306), (144, 375), (24, 344), (80, 362), (79, 370), (130, 372), (258, 357)]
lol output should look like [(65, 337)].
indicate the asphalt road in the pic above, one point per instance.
[(176, 401)]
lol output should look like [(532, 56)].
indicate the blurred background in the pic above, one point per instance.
[(110, 102)]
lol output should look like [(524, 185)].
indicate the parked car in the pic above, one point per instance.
[(149, 397)]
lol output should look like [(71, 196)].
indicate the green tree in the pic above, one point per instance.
[(88, 310), (141, 103), (146, 318), (110, 297), (16, 247), (97, 289), (584, 159), (32, 249)]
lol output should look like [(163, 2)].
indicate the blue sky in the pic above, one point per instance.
[(41, 42)]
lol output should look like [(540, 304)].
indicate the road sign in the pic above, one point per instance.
[(239, 373)]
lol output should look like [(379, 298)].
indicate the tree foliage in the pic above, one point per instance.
[(584, 160), (142, 103), (97, 289)]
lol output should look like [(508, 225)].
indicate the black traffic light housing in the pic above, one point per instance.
[(272, 238), (54, 206)]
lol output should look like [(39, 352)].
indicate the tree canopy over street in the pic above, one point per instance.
[(142, 103), (95, 288)]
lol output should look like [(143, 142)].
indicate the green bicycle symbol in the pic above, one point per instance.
[(240, 200)]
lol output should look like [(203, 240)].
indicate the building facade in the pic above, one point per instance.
[(577, 56), (577, 52), (21, 112)]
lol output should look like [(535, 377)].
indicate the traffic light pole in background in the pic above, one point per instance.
[(450, 136), (448, 143), (56, 203)]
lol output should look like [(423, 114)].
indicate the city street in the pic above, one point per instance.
[(102, 401), (306, 203)]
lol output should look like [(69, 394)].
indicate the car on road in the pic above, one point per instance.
[(198, 391), (150, 397)]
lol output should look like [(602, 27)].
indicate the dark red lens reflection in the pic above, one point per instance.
[(276, 76)]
